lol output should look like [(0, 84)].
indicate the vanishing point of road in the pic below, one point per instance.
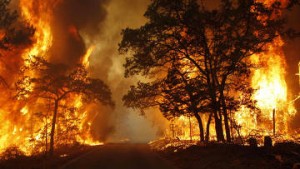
[(119, 156)]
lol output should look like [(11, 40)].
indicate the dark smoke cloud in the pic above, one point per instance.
[(71, 19)]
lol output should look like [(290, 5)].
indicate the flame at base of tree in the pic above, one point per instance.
[(273, 108), (271, 95), (28, 127)]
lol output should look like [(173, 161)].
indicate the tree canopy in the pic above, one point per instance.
[(197, 58)]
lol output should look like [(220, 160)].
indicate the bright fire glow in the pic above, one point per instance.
[(271, 97), (27, 127), (86, 57)]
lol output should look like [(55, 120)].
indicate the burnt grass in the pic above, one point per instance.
[(15, 159), (231, 156)]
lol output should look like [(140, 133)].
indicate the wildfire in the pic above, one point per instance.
[(271, 93), (271, 98), (27, 127), (41, 21)]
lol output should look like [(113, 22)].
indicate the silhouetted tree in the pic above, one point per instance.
[(45, 80), (215, 44), (177, 94)]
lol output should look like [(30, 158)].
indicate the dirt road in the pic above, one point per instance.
[(119, 156)]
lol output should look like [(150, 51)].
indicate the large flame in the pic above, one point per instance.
[(271, 98), (27, 126)]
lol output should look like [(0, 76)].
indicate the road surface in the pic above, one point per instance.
[(119, 156)]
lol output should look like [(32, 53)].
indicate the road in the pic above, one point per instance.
[(119, 156)]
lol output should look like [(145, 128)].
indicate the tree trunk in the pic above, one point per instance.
[(51, 151), (227, 128), (219, 128), (200, 126), (207, 127), (226, 119), (191, 137)]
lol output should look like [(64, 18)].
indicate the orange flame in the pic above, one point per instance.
[(86, 57), (28, 126), (270, 97), (271, 93)]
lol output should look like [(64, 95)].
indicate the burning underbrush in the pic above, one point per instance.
[(164, 144), (168, 144), (281, 156)]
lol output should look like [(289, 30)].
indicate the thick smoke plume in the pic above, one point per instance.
[(71, 19)]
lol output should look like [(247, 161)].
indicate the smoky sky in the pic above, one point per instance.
[(71, 19)]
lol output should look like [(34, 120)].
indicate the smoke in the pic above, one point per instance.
[(107, 64), (70, 20), (78, 25)]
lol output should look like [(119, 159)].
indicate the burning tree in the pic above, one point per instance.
[(53, 82), (209, 47), (13, 34)]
